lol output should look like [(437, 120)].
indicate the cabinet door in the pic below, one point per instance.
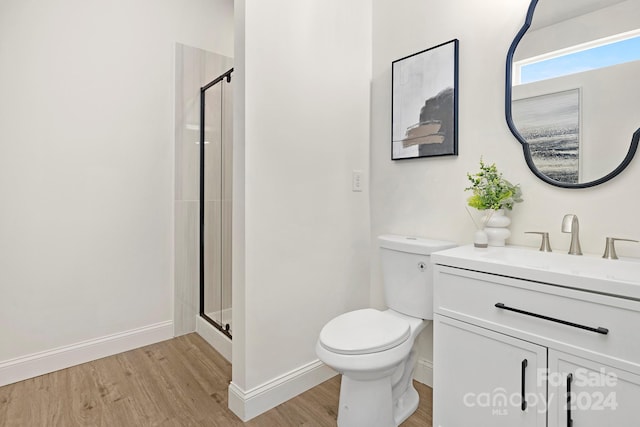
[(480, 378), (600, 395)]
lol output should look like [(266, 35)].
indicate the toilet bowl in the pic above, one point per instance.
[(374, 349), (380, 365)]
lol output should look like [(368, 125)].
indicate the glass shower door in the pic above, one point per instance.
[(215, 202)]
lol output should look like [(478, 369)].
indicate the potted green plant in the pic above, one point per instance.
[(491, 192)]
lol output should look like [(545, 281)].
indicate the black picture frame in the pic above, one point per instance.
[(424, 103)]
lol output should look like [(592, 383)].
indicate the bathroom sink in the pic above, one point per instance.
[(587, 272)]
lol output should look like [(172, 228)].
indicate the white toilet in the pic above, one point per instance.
[(372, 349)]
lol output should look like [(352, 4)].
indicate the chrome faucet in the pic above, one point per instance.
[(570, 225)]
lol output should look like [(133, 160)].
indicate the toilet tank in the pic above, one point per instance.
[(407, 273)]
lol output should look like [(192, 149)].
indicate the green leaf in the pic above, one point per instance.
[(490, 190)]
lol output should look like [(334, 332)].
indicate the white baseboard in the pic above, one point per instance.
[(424, 372), (251, 403), (216, 339), (33, 365)]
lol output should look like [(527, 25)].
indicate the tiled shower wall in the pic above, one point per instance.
[(194, 69)]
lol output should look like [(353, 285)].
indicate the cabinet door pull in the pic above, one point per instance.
[(599, 329), (569, 420), (523, 406)]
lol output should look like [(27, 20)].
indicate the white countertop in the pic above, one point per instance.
[(587, 272)]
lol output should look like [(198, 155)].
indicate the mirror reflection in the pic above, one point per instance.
[(574, 89)]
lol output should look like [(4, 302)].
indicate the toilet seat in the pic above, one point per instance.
[(364, 331)]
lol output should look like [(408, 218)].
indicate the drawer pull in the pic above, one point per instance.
[(599, 330), (569, 420), (523, 406)]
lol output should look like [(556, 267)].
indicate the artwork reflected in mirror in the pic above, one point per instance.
[(551, 125), (572, 90)]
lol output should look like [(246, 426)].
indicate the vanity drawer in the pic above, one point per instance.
[(550, 315)]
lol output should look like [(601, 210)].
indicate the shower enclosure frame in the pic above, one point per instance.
[(224, 329)]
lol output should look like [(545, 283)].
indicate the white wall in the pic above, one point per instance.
[(301, 236), (86, 163), (425, 197)]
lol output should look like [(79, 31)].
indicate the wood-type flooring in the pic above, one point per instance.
[(176, 383)]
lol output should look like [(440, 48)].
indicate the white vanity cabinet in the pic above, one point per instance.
[(601, 395), (501, 340), (484, 375)]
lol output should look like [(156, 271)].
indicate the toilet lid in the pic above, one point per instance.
[(364, 331)]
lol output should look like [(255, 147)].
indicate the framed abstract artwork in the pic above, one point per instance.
[(424, 110), (551, 125)]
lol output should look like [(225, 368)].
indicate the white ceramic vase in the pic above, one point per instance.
[(496, 227)]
